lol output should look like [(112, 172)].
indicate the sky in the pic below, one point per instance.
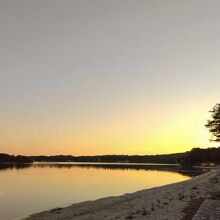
[(88, 77)]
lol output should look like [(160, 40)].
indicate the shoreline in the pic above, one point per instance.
[(168, 202)]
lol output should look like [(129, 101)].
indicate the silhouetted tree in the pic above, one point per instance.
[(214, 123), (198, 156), (5, 158)]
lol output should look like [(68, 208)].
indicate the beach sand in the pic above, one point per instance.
[(169, 202)]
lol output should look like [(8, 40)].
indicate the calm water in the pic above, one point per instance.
[(28, 189)]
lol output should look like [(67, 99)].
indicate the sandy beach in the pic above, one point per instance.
[(169, 202)]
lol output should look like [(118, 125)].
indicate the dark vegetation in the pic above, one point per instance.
[(5, 158), (166, 158), (198, 156), (214, 123)]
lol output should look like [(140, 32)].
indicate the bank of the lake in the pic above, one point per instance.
[(168, 202)]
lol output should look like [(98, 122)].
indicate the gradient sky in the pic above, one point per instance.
[(107, 76)]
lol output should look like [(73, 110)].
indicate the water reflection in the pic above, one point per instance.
[(8, 166), (30, 188), (110, 166)]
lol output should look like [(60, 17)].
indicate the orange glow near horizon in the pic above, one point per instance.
[(168, 131)]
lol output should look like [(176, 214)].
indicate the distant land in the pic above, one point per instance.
[(165, 158), (193, 157)]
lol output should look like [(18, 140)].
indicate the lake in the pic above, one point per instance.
[(27, 189)]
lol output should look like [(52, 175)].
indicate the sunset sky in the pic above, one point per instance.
[(87, 77)]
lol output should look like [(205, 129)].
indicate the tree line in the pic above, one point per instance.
[(194, 157), (6, 158), (166, 158), (198, 156)]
